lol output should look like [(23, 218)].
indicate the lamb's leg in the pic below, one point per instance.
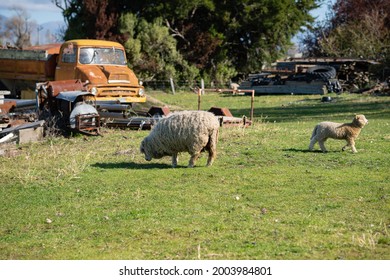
[(313, 140), (193, 159), (350, 143), (322, 145), (174, 160)]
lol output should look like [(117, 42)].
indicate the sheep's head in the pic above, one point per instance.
[(360, 120), (148, 150)]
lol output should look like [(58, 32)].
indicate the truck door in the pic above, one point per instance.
[(67, 61)]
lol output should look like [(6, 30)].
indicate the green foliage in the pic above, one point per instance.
[(152, 51), (266, 196), (219, 38)]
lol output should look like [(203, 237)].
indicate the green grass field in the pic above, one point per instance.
[(265, 197)]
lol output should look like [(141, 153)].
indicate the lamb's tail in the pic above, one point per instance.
[(314, 132)]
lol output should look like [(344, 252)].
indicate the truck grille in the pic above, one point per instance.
[(117, 92)]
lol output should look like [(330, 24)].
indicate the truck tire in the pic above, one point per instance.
[(321, 72)]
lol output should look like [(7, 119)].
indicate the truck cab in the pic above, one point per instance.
[(102, 66)]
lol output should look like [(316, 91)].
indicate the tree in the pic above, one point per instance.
[(91, 19), (220, 38), (356, 28), (366, 38), (152, 50), (17, 29)]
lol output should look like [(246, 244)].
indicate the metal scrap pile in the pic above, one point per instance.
[(123, 116), (354, 75), (18, 120)]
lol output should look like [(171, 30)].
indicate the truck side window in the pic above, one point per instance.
[(69, 54)]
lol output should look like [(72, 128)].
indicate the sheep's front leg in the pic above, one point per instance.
[(174, 160)]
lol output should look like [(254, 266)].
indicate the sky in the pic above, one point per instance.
[(41, 11)]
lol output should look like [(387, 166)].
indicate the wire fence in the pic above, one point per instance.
[(176, 85)]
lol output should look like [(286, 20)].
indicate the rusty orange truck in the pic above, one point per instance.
[(68, 80), (100, 65)]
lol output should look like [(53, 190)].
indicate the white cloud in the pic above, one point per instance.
[(30, 5)]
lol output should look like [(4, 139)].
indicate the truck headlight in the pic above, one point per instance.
[(94, 91), (141, 92)]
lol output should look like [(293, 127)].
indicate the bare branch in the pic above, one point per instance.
[(175, 32)]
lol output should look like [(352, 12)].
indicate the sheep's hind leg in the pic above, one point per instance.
[(212, 149), (212, 155), (193, 159)]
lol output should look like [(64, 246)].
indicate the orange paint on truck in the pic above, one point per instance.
[(100, 65)]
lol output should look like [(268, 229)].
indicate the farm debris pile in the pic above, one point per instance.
[(355, 75), (30, 120), (19, 121)]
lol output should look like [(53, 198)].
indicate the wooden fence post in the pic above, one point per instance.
[(172, 85)]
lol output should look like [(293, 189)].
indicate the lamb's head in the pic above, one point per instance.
[(146, 148), (360, 121)]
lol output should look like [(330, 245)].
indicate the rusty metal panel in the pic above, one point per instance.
[(88, 124), (7, 107), (221, 111), (162, 111), (55, 87)]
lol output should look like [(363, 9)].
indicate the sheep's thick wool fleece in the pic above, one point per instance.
[(183, 131)]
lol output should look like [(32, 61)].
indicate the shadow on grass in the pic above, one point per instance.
[(133, 165), (299, 150), (308, 151)]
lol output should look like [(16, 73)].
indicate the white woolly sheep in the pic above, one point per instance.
[(346, 131), (186, 131)]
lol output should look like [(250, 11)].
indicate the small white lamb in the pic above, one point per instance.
[(346, 131)]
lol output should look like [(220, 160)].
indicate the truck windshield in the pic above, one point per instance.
[(102, 56)]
